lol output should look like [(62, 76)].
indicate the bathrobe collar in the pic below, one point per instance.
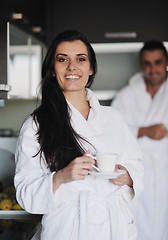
[(82, 126), (93, 102)]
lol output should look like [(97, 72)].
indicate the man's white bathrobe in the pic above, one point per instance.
[(88, 209), (139, 109)]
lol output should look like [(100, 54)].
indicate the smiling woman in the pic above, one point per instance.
[(72, 67), (54, 153)]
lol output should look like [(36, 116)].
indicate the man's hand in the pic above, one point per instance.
[(157, 131)]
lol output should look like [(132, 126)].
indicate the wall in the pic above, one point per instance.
[(115, 69), (15, 112)]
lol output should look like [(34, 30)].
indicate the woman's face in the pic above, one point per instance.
[(72, 66)]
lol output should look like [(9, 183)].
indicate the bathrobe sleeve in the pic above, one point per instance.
[(132, 161), (33, 181), (123, 103), (122, 141)]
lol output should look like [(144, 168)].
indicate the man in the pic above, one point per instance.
[(144, 105)]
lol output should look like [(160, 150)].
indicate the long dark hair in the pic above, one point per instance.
[(58, 141)]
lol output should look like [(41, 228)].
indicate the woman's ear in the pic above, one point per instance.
[(90, 72)]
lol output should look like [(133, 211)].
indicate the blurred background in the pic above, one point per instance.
[(116, 29)]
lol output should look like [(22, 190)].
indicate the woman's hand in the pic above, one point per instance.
[(123, 179), (76, 170)]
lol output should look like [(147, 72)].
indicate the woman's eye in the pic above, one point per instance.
[(62, 60), (81, 59)]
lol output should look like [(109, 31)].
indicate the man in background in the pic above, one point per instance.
[(144, 105)]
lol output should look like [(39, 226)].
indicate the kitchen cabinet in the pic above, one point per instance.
[(24, 60), (3, 60), (25, 57), (146, 19)]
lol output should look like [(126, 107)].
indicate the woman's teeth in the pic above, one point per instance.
[(72, 77)]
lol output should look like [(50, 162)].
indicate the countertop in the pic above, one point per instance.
[(19, 225)]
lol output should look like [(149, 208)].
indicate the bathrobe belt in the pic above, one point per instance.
[(96, 208)]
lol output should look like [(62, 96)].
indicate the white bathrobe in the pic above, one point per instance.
[(139, 109), (88, 209)]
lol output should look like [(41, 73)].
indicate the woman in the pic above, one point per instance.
[(53, 170)]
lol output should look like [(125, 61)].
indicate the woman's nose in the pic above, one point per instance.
[(71, 65)]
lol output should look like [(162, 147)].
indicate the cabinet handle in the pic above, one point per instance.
[(5, 87), (120, 35)]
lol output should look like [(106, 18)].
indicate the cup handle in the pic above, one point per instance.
[(95, 168), (89, 155)]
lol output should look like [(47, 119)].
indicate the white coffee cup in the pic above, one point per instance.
[(105, 162)]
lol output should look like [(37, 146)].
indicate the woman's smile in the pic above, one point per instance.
[(72, 77)]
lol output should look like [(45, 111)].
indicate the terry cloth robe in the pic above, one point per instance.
[(88, 209), (139, 109)]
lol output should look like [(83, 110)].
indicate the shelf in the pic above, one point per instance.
[(20, 214)]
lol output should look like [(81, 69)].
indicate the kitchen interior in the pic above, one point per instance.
[(117, 32)]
